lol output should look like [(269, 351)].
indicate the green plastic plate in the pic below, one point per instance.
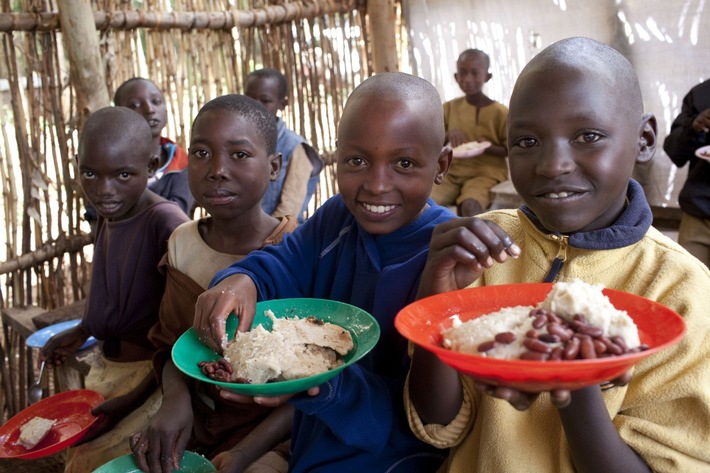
[(191, 463), (188, 351)]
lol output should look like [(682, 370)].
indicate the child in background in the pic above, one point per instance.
[(170, 177), (291, 191), (365, 246), (232, 159), (474, 117), (115, 160), (691, 130), (577, 129)]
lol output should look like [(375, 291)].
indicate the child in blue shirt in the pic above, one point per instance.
[(365, 246)]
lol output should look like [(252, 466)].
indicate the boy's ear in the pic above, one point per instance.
[(489, 76), (444, 163), (274, 165), (648, 139), (153, 163)]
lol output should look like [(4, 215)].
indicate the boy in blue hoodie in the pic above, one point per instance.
[(365, 246)]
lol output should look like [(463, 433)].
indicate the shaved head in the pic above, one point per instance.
[(402, 88), (118, 126), (587, 56)]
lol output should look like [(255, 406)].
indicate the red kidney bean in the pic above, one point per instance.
[(560, 331), (553, 319), (571, 350), (549, 338), (599, 346), (586, 348), (611, 347), (579, 318), (621, 342), (532, 333), (556, 354), (533, 344), (539, 322), (591, 330), (534, 355), (486, 346), (505, 337)]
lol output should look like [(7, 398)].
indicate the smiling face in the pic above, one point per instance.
[(574, 136), (144, 97), (229, 168), (115, 163), (388, 158), (266, 90), (472, 72)]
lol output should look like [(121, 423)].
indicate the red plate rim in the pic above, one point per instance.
[(72, 409), (422, 321)]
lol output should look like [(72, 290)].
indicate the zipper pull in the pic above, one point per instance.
[(559, 259)]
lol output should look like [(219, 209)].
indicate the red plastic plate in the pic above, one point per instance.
[(71, 409), (422, 322)]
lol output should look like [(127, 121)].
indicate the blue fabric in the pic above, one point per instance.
[(357, 423), (286, 142)]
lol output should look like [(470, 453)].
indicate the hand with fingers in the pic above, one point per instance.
[(460, 250), (560, 398), (236, 294), (160, 447), (63, 345), (267, 401)]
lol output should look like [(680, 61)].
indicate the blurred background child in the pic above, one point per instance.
[(232, 160), (690, 131), (291, 192), (473, 117), (115, 160)]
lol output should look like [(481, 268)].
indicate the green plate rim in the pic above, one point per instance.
[(365, 337)]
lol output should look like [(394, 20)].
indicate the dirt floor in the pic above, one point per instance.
[(50, 464)]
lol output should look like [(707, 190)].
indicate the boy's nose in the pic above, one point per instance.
[(556, 159), (378, 180), (218, 168)]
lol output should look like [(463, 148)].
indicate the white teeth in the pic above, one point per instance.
[(561, 195), (379, 209)]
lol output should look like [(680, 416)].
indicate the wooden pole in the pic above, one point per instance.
[(82, 45), (384, 39)]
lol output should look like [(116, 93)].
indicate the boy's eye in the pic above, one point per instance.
[(88, 175), (157, 102), (355, 162), (124, 176), (404, 163), (199, 153), (239, 155), (525, 142), (588, 137)]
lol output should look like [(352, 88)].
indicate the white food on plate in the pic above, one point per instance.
[(294, 348), (34, 431), (564, 300)]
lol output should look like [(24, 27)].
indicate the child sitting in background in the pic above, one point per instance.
[(231, 162), (365, 246), (576, 130), (292, 190), (115, 160), (474, 117), (170, 177)]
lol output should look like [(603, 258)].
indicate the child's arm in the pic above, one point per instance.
[(270, 432), (594, 442), (162, 444), (236, 294), (460, 250)]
